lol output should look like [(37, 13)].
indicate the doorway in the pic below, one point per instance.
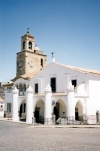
[(56, 110), (39, 112), (22, 112), (78, 111), (36, 115)]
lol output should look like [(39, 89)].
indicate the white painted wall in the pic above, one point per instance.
[(60, 72), (2, 109), (87, 91)]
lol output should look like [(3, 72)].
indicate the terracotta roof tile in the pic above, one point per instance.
[(25, 76), (81, 69)]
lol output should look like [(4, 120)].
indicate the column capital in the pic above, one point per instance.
[(48, 88), (15, 91), (30, 89), (70, 87)]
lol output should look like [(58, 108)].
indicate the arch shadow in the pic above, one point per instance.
[(59, 109), (39, 111), (79, 111)]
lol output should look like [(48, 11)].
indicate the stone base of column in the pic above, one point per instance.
[(29, 122), (70, 119), (16, 119), (48, 121)]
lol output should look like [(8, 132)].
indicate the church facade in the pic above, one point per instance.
[(52, 93)]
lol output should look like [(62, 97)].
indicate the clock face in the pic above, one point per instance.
[(31, 64), (20, 63)]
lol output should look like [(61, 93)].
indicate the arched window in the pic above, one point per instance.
[(42, 62), (16, 86), (24, 88), (30, 45), (20, 88), (24, 45)]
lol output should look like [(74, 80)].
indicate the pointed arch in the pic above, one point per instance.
[(39, 111), (79, 111), (37, 102), (22, 110), (22, 101), (30, 45), (81, 104), (59, 109)]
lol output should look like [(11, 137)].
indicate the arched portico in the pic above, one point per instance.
[(79, 111), (59, 109), (22, 111), (39, 111)]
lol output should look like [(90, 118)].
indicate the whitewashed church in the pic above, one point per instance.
[(53, 93)]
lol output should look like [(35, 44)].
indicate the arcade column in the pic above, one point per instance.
[(70, 104), (15, 116), (48, 116), (29, 105)]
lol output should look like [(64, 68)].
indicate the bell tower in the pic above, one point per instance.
[(27, 42), (30, 58)]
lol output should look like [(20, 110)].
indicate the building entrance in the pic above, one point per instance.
[(36, 115), (22, 112), (78, 112), (39, 112), (56, 110)]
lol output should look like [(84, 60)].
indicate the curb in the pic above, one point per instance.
[(52, 126)]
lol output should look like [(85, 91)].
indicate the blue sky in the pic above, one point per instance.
[(69, 28)]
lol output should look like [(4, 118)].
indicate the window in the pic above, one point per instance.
[(23, 45), (24, 88), (42, 62), (30, 45), (20, 88), (74, 82), (8, 107), (20, 63), (36, 88), (8, 89), (53, 84)]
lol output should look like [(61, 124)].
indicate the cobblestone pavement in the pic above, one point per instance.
[(22, 137)]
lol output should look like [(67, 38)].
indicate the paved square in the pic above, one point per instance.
[(22, 137)]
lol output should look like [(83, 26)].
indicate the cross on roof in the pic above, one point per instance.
[(52, 54), (27, 30)]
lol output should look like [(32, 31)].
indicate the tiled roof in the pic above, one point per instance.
[(83, 70), (7, 84), (25, 76)]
